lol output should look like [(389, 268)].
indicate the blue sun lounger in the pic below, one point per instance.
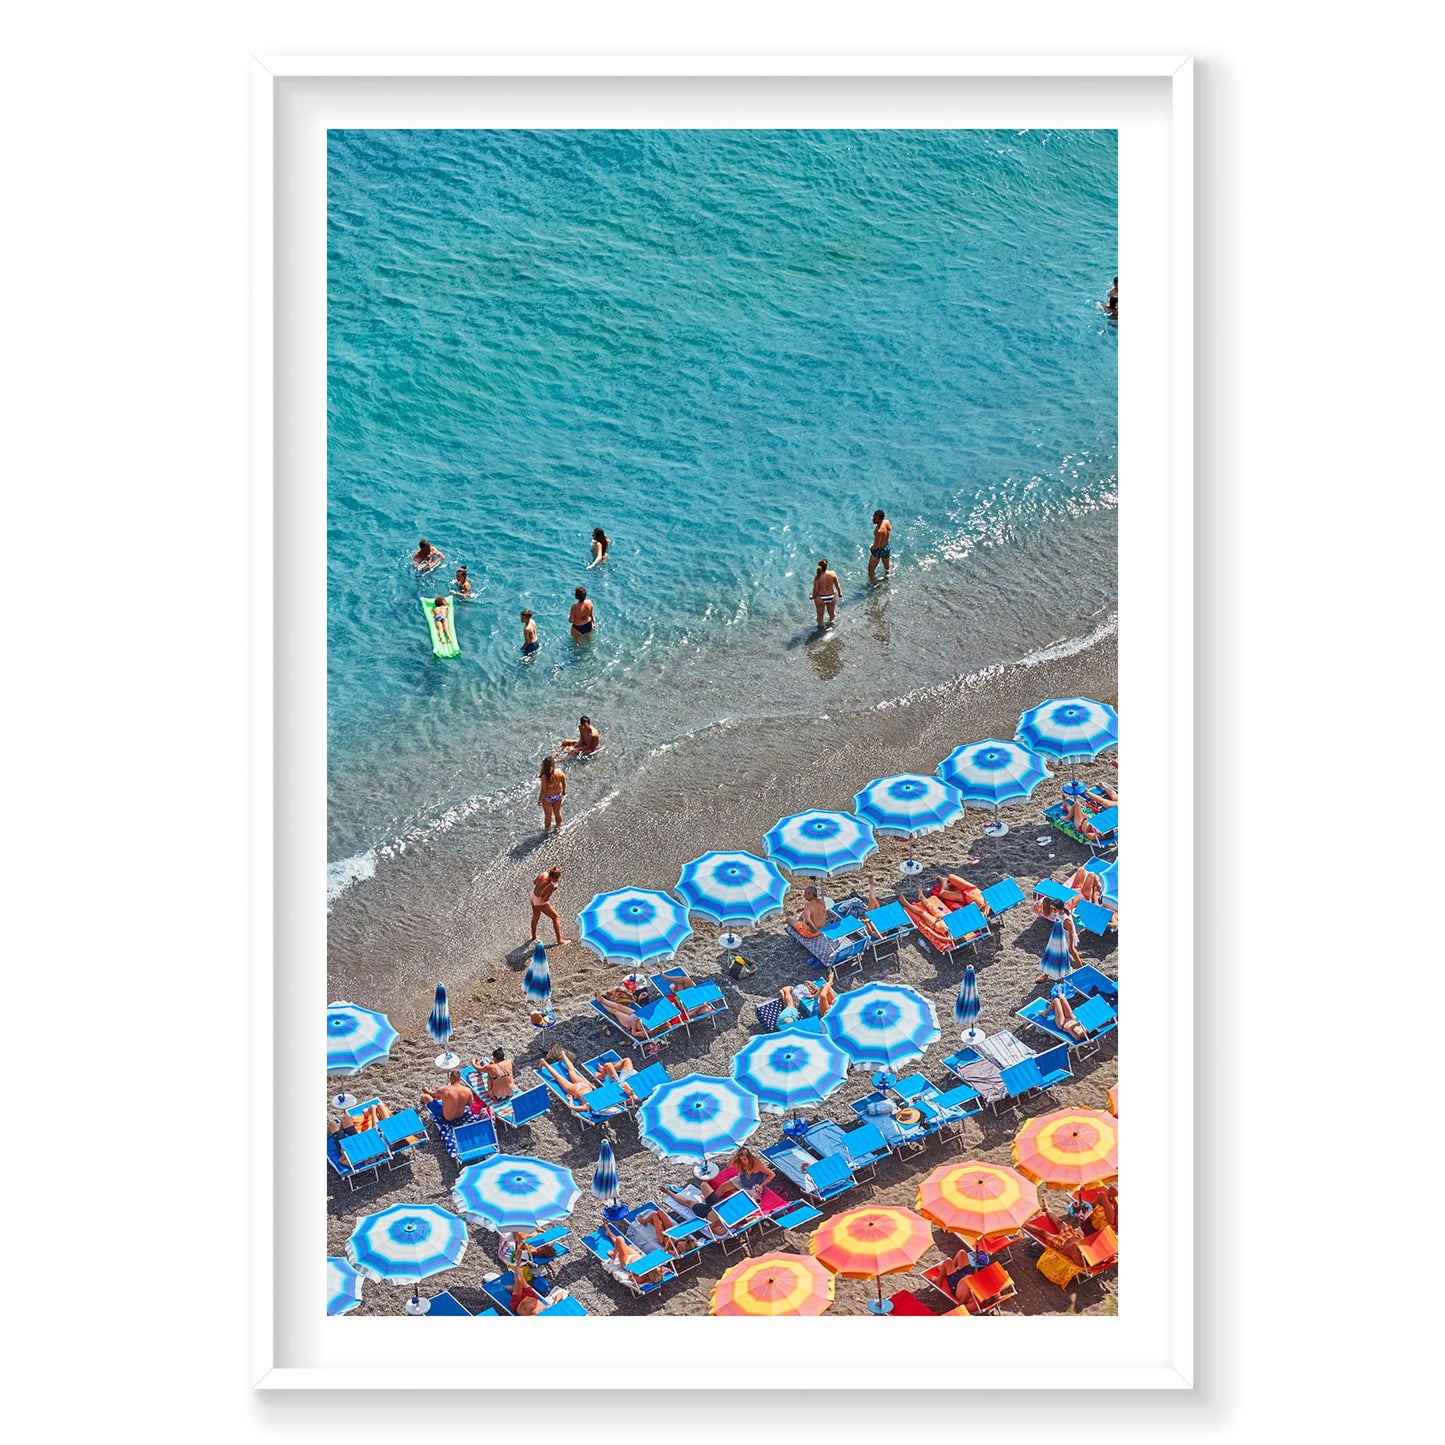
[(471, 1143), (1095, 1013), (966, 925), (703, 1000), (1092, 917), (907, 1137), (445, 1304), (523, 1107), (600, 1247), (799, 1215), (816, 1179), (499, 1290), (690, 1236), (1093, 980), (894, 927), (660, 1018), (403, 1132), (863, 1146), (352, 1155), (1106, 825), (741, 1214), (568, 1306), (1002, 896)]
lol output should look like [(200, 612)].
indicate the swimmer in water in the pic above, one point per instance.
[(462, 587), (825, 592), (581, 614), (600, 543), (880, 551), (439, 611), (1110, 305), (529, 633), (426, 557), (588, 740)]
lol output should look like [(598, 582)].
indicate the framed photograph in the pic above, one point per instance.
[(711, 529)]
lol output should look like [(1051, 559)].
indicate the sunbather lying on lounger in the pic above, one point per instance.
[(659, 1223), (961, 1265), (624, 1252), (1087, 885), (857, 908), (1078, 817), (959, 893), (524, 1300), (621, 1006), (1101, 796), (803, 1000), (1064, 1018), (369, 1118), (1065, 1237), (563, 1070)]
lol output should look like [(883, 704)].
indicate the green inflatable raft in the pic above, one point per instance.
[(441, 646)]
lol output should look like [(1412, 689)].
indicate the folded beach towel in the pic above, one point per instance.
[(1004, 1049), (986, 1078)]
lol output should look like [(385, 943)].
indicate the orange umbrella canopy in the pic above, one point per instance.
[(1069, 1148), (774, 1284), (872, 1241), (1114, 1101), (974, 1199)]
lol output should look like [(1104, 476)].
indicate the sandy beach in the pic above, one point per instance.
[(387, 952)]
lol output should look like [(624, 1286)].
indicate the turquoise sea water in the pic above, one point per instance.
[(726, 348)]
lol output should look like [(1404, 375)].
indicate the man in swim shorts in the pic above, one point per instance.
[(529, 633), (588, 739), (581, 614), (426, 557), (454, 1097), (825, 591), (880, 551), (811, 917)]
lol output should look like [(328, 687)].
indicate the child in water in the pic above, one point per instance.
[(529, 633), (462, 586), (439, 616)]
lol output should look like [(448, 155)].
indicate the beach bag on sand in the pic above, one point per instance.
[(739, 967)]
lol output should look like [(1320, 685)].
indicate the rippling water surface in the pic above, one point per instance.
[(726, 348)]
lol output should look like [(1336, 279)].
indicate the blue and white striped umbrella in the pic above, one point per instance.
[(356, 1037), (882, 1024), (1056, 963), (407, 1242), (908, 805), (343, 1286), (794, 1068), (1072, 729), (1108, 875), (819, 844), (993, 772), (537, 981), (696, 1117), (633, 925), (732, 887), (512, 1191), (968, 1005), (439, 1021), (604, 1176)]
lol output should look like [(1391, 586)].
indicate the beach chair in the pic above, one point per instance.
[(403, 1133), (1093, 918), (840, 941), (906, 1138), (943, 1111), (1021, 1080), (642, 1083), (818, 1180), (1054, 816), (767, 1015), (703, 1000), (567, 1305), (862, 1147), (936, 1279), (986, 1289), (967, 927), (353, 1155), (498, 1289), (691, 1236), (549, 1239), (1093, 980), (740, 1213), (471, 1143), (1094, 1013), (894, 927), (905, 1302), (1054, 892), (594, 1107), (523, 1107), (1106, 825), (444, 1306), (1058, 1269), (630, 1276), (660, 1018), (1000, 897), (800, 1215), (1053, 1066)]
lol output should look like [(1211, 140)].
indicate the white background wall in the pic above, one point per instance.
[(125, 346)]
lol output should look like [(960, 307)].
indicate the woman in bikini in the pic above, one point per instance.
[(619, 1005), (544, 885), (574, 1083), (1086, 885), (753, 1174), (462, 587), (581, 615), (600, 543), (624, 1252), (825, 591), (553, 789), (1065, 1021), (440, 611)]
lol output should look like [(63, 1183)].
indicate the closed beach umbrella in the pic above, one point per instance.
[(777, 1283), (1069, 1149), (604, 1176), (732, 888), (882, 1025), (993, 772), (794, 1068), (439, 1026), (537, 981), (1071, 729), (633, 925), (870, 1242), (343, 1286), (355, 1037), (974, 1199), (908, 805), (696, 1117), (1056, 963), (407, 1242), (818, 844), (514, 1192), (967, 1006)]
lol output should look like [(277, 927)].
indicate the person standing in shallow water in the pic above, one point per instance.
[(529, 633), (825, 592), (600, 543), (881, 550), (581, 614), (553, 789)]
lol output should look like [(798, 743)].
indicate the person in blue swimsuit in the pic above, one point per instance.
[(529, 633), (880, 551), (581, 614)]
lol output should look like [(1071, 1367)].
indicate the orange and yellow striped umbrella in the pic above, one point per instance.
[(1114, 1101), (1069, 1148), (870, 1242), (774, 1284), (974, 1199)]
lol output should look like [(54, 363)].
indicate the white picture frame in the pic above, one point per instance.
[(292, 96)]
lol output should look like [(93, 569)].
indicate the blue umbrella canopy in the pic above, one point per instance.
[(908, 805), (1071, 729), (633, 925), (439, 1021), (604, 1176), (993, 772), (537, 981), (967, 1005), (356, 1037), (512, 1191), (882, 1024), (818, 844), (696, 1117), (732, 887), (794, 1068), (406, 1242), (1108, 875), (343, 1286)]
